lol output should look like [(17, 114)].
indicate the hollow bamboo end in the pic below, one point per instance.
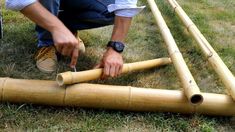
[(64, 78), (60, 80), (196, 99)]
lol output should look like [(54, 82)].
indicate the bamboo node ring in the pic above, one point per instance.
[(189, 26)]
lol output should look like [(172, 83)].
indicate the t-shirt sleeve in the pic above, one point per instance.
[(18, 5), (125, 8)]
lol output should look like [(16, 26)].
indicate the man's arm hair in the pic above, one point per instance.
[(41, 16), (121, 28)]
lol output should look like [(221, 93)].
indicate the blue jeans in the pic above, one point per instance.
[(76, 15)]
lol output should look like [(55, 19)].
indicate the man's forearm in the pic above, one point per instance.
[(64, 41), (121, 27), (38, 14)]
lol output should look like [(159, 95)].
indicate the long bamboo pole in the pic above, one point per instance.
[(111, 97), (190, 87), (83, 76), (216, 62)]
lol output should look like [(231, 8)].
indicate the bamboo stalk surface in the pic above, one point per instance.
[(111, 97), (83, 76), (213, 58), (189, 85)]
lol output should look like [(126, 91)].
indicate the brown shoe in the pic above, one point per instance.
[(46, 59)]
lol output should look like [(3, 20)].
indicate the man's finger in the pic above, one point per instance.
[(112, 70), (106, 71), (74, 58), (67, 51), (58, 48), (117, 70), (120, 70)]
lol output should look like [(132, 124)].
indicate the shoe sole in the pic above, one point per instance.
[(44, 70)]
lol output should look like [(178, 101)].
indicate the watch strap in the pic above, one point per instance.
[(117, 46)]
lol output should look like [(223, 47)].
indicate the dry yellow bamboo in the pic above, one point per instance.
[(188, 83), (83, 76), (213, 58), (33, 91), (111, 97)]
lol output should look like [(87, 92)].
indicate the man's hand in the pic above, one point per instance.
[(64, 40), (66, 44), (111, 63)]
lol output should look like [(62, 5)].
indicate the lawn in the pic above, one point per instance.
[(215, 19)]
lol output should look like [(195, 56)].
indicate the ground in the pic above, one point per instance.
[(215, 19)]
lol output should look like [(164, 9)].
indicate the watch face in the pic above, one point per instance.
[(119, 46)]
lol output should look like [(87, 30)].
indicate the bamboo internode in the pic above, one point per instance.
[(83, 76), (188, 83), (216, 62), (111, 97)]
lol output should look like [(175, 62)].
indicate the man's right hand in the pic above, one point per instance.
[(66, 44), (64, 40)]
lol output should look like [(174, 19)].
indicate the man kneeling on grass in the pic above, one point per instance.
[(58, 21)]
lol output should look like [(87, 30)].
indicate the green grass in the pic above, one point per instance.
[(216, 20)]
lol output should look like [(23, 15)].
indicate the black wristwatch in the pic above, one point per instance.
[(117, 46)]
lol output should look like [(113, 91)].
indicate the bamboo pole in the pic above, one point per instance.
[(83, 76), (111, 97), (216, 62), (189, 85)]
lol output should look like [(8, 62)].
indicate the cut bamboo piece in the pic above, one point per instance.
[(112, 97), (83, 76), (216, 62), (188, 83)]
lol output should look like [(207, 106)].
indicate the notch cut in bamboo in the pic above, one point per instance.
[(83, 76), (189, 85), (111, 97), (213, 58)]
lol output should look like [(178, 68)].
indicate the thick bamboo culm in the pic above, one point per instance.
[(111, 97), (83, 76), (213, 58), (189, 85)]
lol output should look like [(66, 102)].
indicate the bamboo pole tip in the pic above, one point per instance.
[(196, 99), (64, 78), (60, 80)]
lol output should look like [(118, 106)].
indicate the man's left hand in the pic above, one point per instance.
[(111, 63)]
